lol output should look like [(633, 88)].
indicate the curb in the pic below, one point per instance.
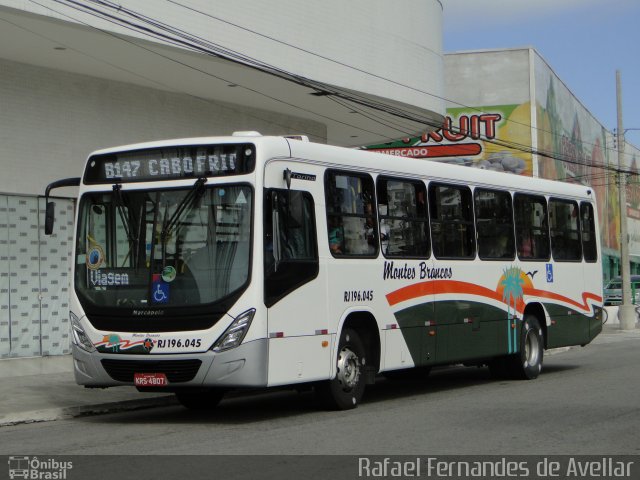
[(556, 351), (51, 414)]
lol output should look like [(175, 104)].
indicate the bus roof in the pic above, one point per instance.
[(176, 142), (434, 170), (341, 157)]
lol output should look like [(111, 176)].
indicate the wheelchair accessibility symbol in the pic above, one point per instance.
[(549, 273), (160, 292)]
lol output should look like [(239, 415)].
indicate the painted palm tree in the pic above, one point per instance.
[(512, 292), (114, 343)]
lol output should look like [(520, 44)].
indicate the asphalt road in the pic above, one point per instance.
[(587, 401)]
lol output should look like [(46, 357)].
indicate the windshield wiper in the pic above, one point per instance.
[(187, 204), (126, 217)]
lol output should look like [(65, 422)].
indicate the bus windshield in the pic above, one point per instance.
[(173, 247)]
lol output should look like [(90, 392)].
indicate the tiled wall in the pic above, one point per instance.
[(34, 278)]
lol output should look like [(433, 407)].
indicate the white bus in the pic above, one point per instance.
[(207, 264)]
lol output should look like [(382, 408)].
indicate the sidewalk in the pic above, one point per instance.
[(42, 389), (612, 315)]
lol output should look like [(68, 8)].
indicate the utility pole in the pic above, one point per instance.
[(627, 311)]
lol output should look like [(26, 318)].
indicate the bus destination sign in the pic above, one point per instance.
[(171, 163)]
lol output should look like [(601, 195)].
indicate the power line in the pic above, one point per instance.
[(203, 46), (69, 47), (355, 68), (331, 90), (148, 79), (347, 100), (203, 72)]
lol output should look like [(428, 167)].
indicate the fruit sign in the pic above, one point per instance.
[(474, 137)]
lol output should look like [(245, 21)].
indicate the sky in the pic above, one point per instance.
[(583, 41)]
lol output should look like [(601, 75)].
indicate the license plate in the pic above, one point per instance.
[(150, 380)]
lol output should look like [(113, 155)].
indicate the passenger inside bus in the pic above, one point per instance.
[(525, 249), (336, 235), (369, 229)]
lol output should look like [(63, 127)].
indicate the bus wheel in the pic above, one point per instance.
[(347, 388), (527, 363), (199, 399)]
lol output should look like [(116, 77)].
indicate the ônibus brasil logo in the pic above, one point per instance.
[(38, 469)]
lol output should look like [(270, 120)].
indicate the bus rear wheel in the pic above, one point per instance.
[(199, 399), (347, 388), (527, 363)]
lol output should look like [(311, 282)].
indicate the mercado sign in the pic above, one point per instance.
[(469, 137)]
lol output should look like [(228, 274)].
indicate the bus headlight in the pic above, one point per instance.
[(80, 338), (233, 336)]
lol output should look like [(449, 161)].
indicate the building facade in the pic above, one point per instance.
[(508, 111), (78, 77)]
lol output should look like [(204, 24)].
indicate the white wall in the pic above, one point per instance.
[(483, 78), (51, 120), (355, 44)]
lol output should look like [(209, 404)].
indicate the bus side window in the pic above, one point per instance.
[(352, 228), (588, 226), (564, 221), (404, 223), (452, 226), (494, 223), (532, 228)]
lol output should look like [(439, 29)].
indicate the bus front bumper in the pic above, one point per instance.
[(243, 366)]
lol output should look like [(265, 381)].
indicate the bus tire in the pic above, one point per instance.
[(199, 399), (527, 363), (346, 389)]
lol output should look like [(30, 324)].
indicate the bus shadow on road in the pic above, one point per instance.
[(439, 380), (553, 369), (236, 408), (248, 407)]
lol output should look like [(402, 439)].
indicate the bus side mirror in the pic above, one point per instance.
[(50, 212), (49, 218)]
